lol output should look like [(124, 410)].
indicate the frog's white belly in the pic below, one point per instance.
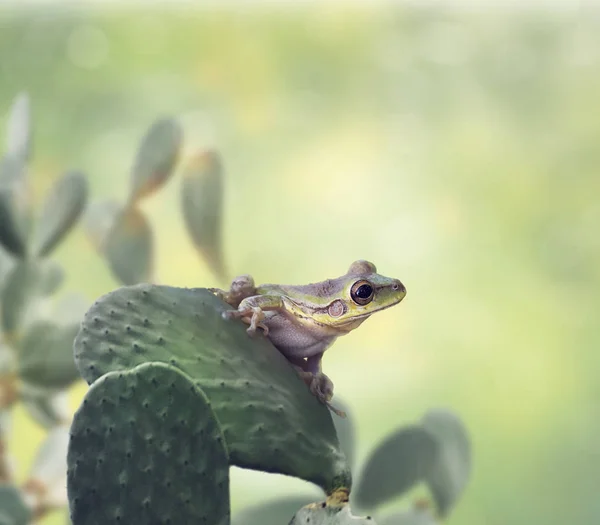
[(296, 340)]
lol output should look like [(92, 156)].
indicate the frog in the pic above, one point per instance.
[(303, 321)]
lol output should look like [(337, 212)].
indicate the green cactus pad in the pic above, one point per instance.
[(156, 157), (63, 207), (13, 509), (52, 276), (202, 202), (321, 514), (18, 128), (146, 448), (14, 206), (128, 247), (270, 419), (46, 355), (100, 216), (23, 284), (401, 461), (452, 468)]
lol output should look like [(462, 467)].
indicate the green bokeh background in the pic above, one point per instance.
[(457, 149)]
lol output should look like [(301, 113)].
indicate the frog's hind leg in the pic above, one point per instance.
[(252, 311), (318, 383)]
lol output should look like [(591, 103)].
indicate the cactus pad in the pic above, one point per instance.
[(401, 461), (128, 247), (46, 355), (452, 468), (63, 207), (24, 282), (321, 514), (156, 157), (146, 448), (201, 203), (270, 420)]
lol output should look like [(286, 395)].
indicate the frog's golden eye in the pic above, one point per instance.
[(362, 292)]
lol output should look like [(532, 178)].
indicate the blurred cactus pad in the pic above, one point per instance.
[(36, 331), (122, 233)]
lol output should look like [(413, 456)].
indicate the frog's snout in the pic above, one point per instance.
[(397, 286)]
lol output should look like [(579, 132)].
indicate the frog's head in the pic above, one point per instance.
[(364, 292)]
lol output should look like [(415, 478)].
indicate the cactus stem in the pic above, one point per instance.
[(338, 498)]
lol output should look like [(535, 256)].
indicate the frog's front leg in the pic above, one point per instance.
[(252, 311)]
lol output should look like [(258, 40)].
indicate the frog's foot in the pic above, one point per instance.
[(320, 386), (252, 315), (241, 288)]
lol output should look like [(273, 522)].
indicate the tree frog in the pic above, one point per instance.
[(304, 321)]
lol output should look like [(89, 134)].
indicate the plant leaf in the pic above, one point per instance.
[(401, 461), (202, 206), (270, 420), (146, 448), (129, 248), (46, 355), (156, 157), (18, 128), (62, 209), (452, 468)]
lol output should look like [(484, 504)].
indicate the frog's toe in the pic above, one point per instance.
[(264, 328)]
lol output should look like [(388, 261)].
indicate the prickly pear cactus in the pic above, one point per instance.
[(36, 360), (146, 448), (270, 420), (121, 233), (326, 514), (201, 204)]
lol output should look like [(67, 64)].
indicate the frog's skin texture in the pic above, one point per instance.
[(303, 321)]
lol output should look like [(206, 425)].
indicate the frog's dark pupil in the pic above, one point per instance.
[(364, 291)]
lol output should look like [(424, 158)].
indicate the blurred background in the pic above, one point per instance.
[(455, 147)]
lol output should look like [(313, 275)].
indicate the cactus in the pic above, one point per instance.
[(145, 448), (121, 233), (269, 418), (324, 514), (201, 203), (36, 360)]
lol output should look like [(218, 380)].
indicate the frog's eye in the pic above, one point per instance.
[(362, 292)]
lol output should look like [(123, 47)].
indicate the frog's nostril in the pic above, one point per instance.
[(398, 286)]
